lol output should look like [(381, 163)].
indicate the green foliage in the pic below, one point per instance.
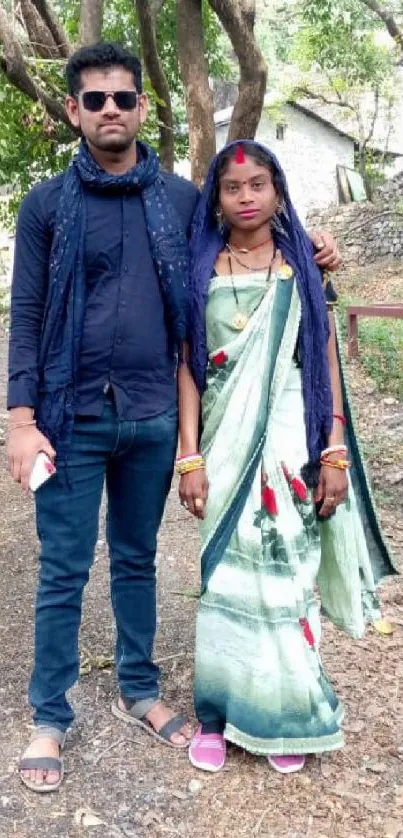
[(167, 45), (120, 24), (338, 37), (381, 353), (69, 14), (276, 26), (4, 306), (30, 149), (374, 169), (33, 148), (380, 350), (343, 61)]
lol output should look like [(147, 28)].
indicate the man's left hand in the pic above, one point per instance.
[(328, 255)]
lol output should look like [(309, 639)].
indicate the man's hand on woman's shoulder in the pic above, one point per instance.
[(328, 255)]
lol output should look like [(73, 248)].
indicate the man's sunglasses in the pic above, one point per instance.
[(94, 100)]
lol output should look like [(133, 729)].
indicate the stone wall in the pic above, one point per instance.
[(366, 231), (392, 190)]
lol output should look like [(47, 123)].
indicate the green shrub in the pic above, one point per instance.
[(380, 342)]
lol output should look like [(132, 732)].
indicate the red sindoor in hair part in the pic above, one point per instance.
[(239, 155)]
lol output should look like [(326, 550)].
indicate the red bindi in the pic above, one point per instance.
[(239, 155)]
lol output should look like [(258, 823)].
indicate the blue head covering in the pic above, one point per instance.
[(207, 240)]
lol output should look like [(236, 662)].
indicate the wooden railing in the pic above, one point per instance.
[(375, 310)]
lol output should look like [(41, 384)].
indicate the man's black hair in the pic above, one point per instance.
[(101, 56)]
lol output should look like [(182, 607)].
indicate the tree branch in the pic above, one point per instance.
[(40, 37), (375, 113), (55, 28), (238, 20), (16, 72), (388, 19), (91, 19), (389, 132), (155, 8), (199, 97), (320, 97), (147, 12)]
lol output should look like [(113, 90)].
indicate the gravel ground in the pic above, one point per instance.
[(122, 784)]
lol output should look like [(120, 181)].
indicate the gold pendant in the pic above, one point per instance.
[(285, 272), (239, 321)]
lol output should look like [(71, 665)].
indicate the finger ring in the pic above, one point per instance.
[(199, 503), (332, 498)]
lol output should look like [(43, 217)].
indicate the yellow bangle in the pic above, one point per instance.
[(190, 465), (343, 465)]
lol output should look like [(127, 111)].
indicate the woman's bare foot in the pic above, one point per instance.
[(42, 747), (158, 716)]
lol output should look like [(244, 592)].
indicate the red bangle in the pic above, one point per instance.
[(341, 418)]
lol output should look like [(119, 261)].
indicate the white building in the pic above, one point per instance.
[(309, 146)]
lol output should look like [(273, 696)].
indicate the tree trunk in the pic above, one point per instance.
[(395, 31), (91, 18), (199, 97), (40, 37), (238, 19), (362, 152), (362, 168), (54, 26), (147, 13)]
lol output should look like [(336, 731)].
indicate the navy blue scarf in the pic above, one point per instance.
[(207, 240), (65, 305)]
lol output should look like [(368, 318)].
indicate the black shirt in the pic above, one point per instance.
[(124, 341)]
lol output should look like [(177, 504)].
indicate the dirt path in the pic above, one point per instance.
[(138, 788)]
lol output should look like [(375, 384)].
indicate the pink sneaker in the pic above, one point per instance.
[(288, 764), (207, 751)]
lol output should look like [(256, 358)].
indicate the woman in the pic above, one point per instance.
[(263, 356)]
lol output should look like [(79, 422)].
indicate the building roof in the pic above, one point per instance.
[(344, 122), (332, 116)]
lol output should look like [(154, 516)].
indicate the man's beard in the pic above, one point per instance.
[(113, 144)]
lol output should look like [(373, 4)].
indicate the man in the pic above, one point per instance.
[(98, 317)]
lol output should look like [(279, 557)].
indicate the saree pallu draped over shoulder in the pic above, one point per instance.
[(258, 668)]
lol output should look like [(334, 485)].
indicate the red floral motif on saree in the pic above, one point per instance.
[(269, 500), (307, 631), (296, 483), (220, 358)]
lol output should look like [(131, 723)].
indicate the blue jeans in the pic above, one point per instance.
[(136, 459)]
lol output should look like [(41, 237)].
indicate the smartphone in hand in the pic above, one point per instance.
[(42, 470)]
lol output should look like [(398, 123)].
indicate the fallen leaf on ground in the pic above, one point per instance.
[(194, 786), (85, 666), (89, 662), (103, 662), (383, 626), (187, 593), (87, 818)]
